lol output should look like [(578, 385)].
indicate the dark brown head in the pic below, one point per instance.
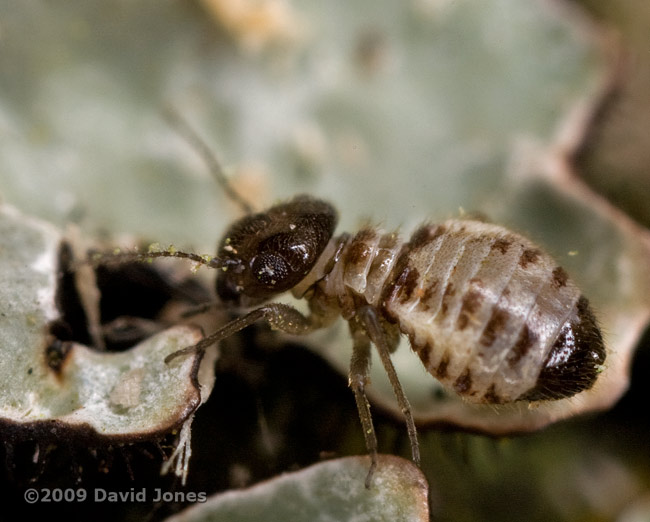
[(265, 254), (575, 360)]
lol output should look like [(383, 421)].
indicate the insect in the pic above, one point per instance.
[(489, 313)]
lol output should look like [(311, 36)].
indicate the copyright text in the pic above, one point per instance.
[(34, 495)]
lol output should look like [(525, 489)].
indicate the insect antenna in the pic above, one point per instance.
[(203, 149), (185, 130), (119, 256)]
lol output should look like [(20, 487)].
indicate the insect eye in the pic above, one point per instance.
[(270, 270), (284, 259), (271, 252)]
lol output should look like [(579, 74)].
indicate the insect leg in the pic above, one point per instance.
[(358, 378), (279, 316), (368, 317)]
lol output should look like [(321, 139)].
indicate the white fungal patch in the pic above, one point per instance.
[(126, 393)]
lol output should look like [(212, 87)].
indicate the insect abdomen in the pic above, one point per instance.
[(492, 315)]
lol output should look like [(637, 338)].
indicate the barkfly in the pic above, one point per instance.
[(489, 313)]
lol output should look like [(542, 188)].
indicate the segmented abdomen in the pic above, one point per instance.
[(492, 315)]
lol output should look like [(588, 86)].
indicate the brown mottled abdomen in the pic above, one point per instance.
[(491, 315)]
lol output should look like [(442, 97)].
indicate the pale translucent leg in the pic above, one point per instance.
[(370, 322), (359, 370)]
